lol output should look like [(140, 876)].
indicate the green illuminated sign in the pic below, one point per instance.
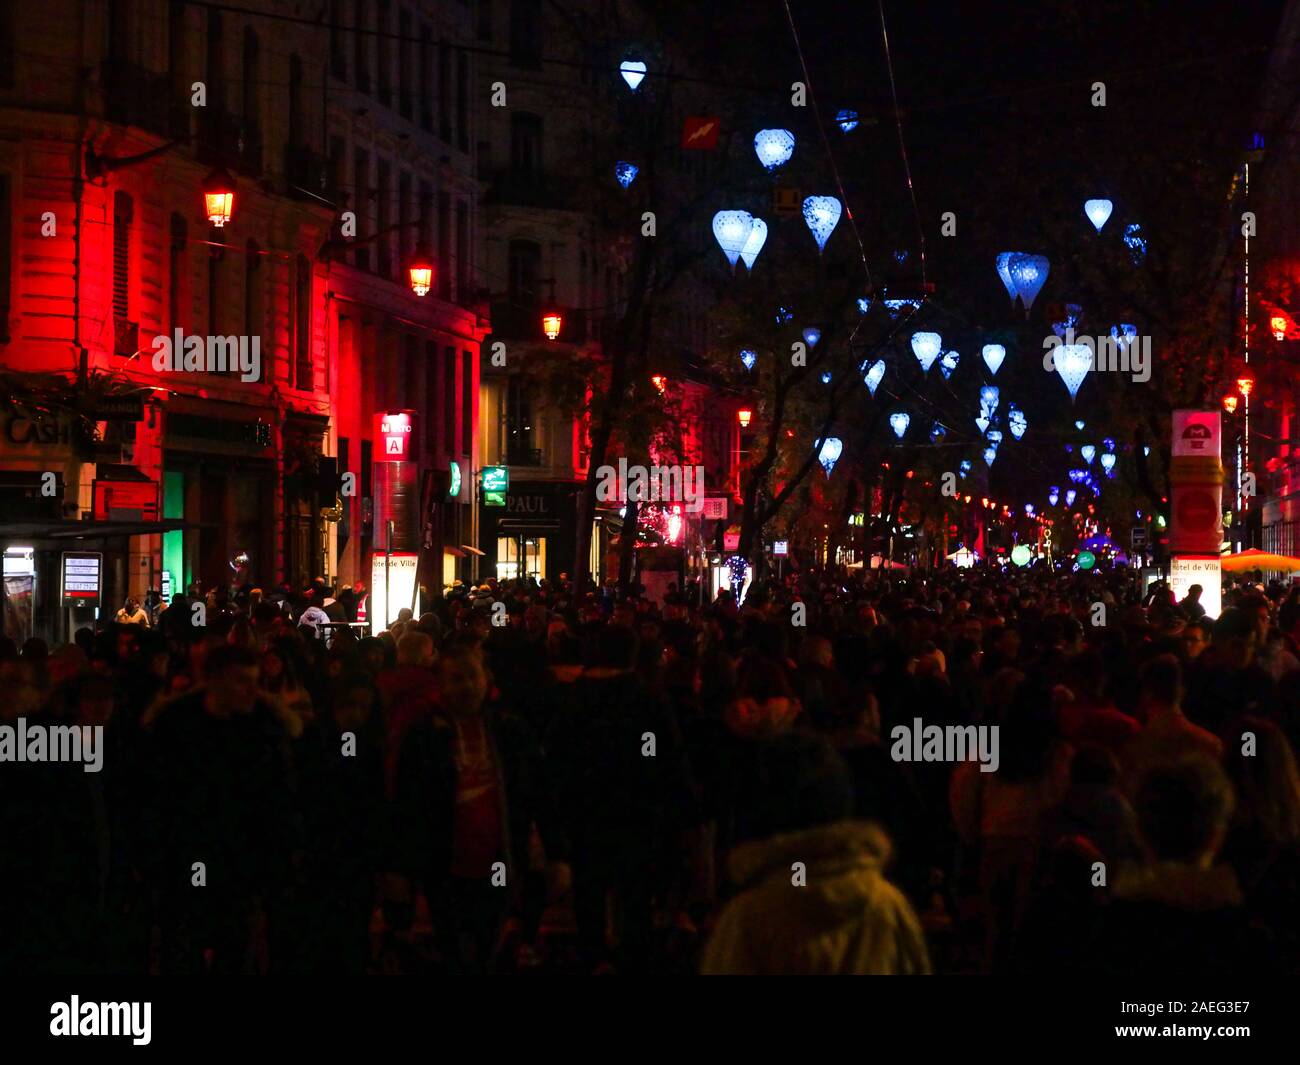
[(453, 489), (1086, 560), (496, 483), (1021, 555)]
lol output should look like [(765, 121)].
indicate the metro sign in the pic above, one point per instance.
[(394, 431)]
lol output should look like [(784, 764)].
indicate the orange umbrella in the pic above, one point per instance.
[(1255, 559)]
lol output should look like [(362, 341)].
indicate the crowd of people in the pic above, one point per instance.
[(540, 777)]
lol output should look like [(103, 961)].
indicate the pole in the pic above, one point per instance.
[(388, 567)]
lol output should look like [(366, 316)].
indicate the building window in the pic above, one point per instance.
[(405, 232), (384, 245), (123, 216), (384, 51), (431, 397), (426, 220), (216, 66), (525, 146), (215, 259), (525, 267), (361, 42), (449, 400), (467, 403), (463, 266), (462, 100), (404, 46), (526, 32), (519, 422), (361, 204), (426, 78), (444, 91), (252, 80), (176, 58), (177, 269), (253, 295), (302, 326), (338, 54), (444, 244), (296, 117)]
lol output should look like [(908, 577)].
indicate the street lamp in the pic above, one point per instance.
[(218, 197), (744, 416), (1230, 403), (420, 271), (551, 323)]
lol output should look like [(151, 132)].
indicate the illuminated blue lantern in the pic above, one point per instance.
[(894, 306), (925, 346), (1079, 425), (1069, 449), (1029, 274), (899, 421), (983, 423), (901, 255), (938, 431), (948, 363), (625, 173), (1073, 312), (811, 335), (731, 229), (848, 120), (754, 244), (964, 468), (988, 399), (1087, 451), (990, 453), (784, 315), (1125, 332), (1135, 242), (1108, 463), (874, 375), (993, 356), (826, 377), (1054, 495), (773, 147), (1070, 497), (1017, 422), (994, 437), (829, 454), (1098, 212), (1108, 444), (1146, 451), (748, 356), (1072, 362), (1078, 476), (1029, 509), (1003, 263), (864, 304), (633, 71), (822, 215)]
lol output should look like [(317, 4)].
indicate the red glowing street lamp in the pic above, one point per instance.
[(420, 271), (744, 416), (218, 197), (1230, 403), (1246, 384), (551, 323)]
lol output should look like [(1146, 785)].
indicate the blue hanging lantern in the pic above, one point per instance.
[(748, 356), (773, 147), (1003, 263), (811, 335), (1098, 212), (731, 229), (829, 454), (1087, 451), (938, 431), (633, 71), (1124, 333), (899, 421), (900, 256), (925, 346), (864, 304), (847, 120), (822, 215), (826, 377), (948, 363), (1070, 497), (874, 375), (1078, 476), (1029, 273), (754, 243), (1054, 496), (1073, 312), (784, 315), (994, 437), (993, 356), (1108, 463), (1135, 242), (1079, 425), (1017, 422), (990, 453), (896, 306), (1072, 362), (625, 173), (1108, 444), (988, 399), (964, 468), (983, 423)]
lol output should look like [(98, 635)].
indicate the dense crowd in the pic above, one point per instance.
[(538, 777)]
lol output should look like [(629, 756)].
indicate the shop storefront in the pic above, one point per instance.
[(533, 534)]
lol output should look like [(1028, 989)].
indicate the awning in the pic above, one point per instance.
[(94, 530), (455, 552), (1253, 558), (472, 550)]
